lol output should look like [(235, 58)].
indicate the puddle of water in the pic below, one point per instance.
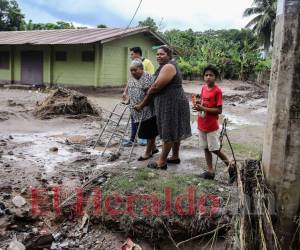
[(39, 150), (38, 145), (256, 103), (110, 165), (260, 111), (235, 121)]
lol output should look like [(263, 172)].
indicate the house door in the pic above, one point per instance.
[(32, 67)]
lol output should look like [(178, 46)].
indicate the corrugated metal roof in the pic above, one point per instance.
[(70, 36)]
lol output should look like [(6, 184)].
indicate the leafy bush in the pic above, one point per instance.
[(263, 66), (234, 52), (185, 67)]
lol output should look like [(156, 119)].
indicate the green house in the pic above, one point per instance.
[(81, 57)]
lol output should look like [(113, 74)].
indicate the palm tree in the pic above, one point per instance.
[(263, 24)]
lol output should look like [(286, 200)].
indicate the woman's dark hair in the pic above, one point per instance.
[(213, 69), (137, 50), (167, 49)]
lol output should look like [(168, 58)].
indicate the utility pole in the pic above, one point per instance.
[(281, 153)]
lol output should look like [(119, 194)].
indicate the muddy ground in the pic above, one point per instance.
[(59, 152)]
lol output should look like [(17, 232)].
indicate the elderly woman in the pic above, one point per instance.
[(138, 85), (171, 108)]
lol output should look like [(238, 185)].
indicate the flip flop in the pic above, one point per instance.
[(154, 165), (173, 161), (141, 158)]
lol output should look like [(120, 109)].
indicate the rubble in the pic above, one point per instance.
[(53, 149), (2, 209), (130, 245), (40, 242), (16, 245), (18, 201)]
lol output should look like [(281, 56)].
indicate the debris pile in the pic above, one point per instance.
[(243, 98), (255, 230), (65, 102)]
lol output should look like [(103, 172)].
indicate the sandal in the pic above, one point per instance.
[(141, 158), (173, 161), (207, 175), (154, 165)]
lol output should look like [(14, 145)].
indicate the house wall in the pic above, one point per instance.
[(5, 74), (17, 60), (116, 61), (110, 68), (70, 72), (73, 71)]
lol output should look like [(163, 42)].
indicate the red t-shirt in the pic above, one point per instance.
[(210, 98)]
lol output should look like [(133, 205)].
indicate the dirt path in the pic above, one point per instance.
[(55, 152)]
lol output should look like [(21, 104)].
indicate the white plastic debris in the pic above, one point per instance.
[(18, 201), (16, 245)]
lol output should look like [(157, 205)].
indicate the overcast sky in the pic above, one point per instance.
[(199, 15)]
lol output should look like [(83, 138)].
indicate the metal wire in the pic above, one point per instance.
[(134, 14)]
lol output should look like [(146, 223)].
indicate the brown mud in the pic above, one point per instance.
[(59, 152)]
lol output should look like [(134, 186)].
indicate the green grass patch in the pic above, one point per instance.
[(245, 150), (147, 181)]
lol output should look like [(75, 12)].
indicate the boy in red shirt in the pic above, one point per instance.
[(209, 109)]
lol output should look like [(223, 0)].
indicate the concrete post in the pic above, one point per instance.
[(281, 153)]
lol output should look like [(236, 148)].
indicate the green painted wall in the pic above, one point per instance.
[(17, 62), (5, 74), (110, 68), (116, 59), (74, 71)]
